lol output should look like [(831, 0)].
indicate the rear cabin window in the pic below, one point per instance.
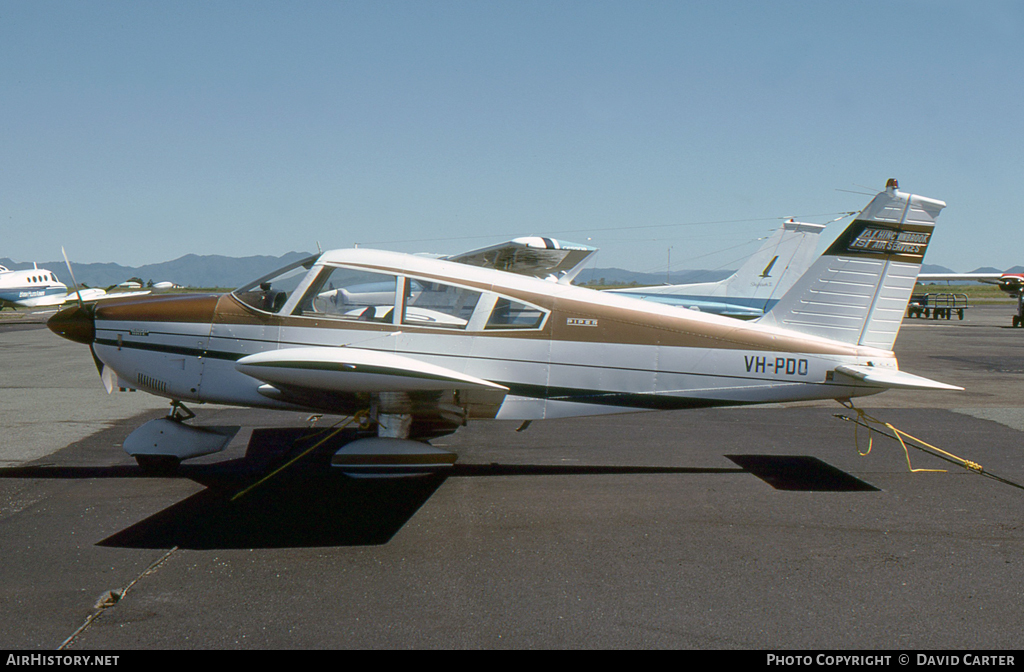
[(509, 314), (433, 304)]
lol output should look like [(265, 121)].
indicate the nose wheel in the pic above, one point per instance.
[(160, 445)]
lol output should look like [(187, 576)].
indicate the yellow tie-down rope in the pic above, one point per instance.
[(865, 420), (361, 417)]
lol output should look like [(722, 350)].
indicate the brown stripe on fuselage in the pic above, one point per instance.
[(168, 308), (232, 311), (636, 326), (615, 323)]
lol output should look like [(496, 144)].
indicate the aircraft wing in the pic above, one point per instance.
[(117, 295), (991, 278), (91, 295), (891, 378), (354, 370), (533, 256)]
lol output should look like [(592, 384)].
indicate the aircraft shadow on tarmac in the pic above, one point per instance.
[(309, 504)]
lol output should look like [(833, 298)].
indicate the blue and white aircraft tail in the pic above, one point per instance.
[(755, 286)]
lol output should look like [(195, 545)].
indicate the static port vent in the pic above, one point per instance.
[(152, 383)]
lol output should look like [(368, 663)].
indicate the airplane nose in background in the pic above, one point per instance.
[(75, 324)]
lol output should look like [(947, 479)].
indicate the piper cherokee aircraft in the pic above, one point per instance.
[(419, 346), (755, 287), (1011, 283)]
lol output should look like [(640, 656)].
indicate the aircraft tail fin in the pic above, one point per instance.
[(757, 284), (779, 263), (857, 290)]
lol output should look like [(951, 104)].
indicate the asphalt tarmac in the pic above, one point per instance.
[(752, 528)]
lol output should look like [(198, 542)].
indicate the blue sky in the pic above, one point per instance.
[(137, 132)]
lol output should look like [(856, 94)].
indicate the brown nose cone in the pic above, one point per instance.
[(75, 324)]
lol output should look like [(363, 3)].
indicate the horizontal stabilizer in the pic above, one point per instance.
[(960, 277), (354, 370), (894, 378)]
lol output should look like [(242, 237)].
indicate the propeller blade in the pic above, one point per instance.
[(73, 281), (100, 366), (109, 378)]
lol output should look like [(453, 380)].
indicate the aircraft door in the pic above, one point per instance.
[(235, 333), (193, 366), (247, 322)]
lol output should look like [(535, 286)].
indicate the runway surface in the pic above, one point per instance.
[(752, 528)]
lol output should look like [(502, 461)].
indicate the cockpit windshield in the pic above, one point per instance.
[(271, 292)]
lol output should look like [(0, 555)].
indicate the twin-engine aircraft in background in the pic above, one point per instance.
[(30, 288), (420, 346), (1011, 283), (39, 288), (755, 287)]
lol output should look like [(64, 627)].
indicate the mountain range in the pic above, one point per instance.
[(195, 270), (192, 270)]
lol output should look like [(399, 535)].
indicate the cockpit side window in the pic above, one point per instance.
[(433, 304), (350, 294), (271, 292)]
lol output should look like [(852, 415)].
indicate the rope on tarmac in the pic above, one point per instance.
[(907, 441), (359, 417)]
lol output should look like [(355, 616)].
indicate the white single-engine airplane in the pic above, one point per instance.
[(422, 345), (755, 287)]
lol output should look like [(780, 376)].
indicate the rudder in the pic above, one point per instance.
[(857, 290)]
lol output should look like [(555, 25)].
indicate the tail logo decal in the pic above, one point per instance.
[(874, 239), (766, 273), (891, 242)]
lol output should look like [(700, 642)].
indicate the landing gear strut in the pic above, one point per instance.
[(180, 412)]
